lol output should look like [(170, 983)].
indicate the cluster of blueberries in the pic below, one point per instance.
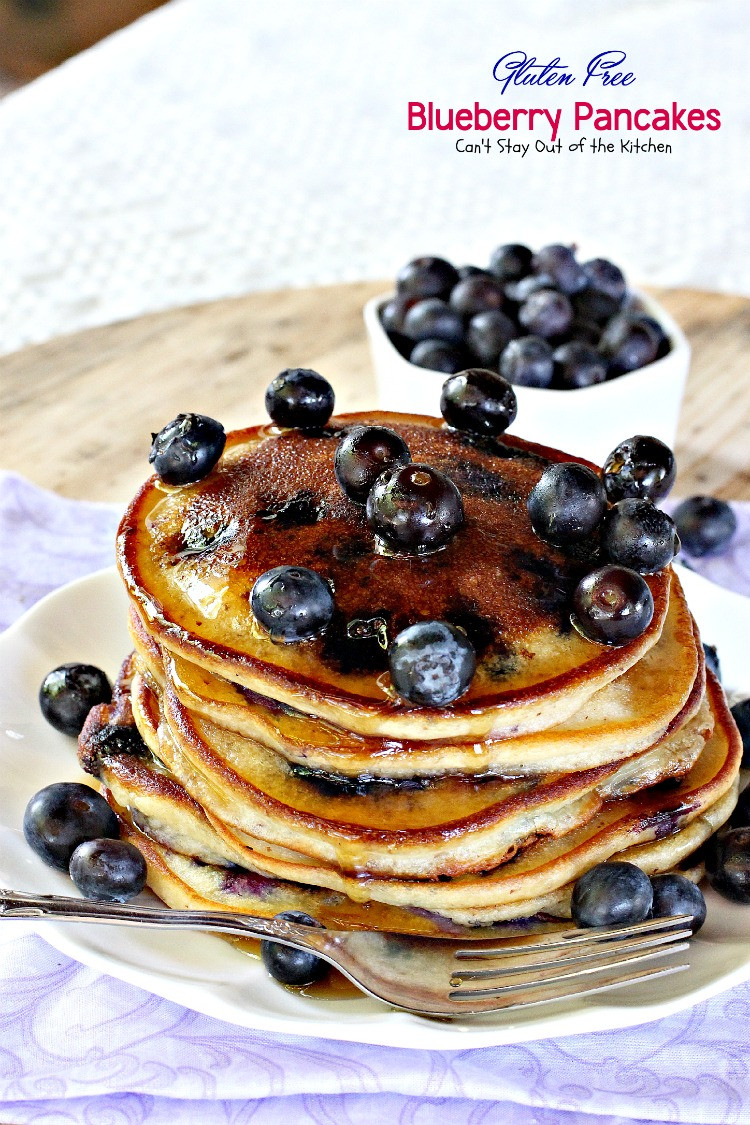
[(67, 824), (542, 320)]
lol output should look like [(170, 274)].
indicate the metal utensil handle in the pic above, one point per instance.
[(15, 904)]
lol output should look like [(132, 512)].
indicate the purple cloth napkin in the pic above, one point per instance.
[(78, 1046)]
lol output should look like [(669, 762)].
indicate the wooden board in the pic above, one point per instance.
[(76, 414)]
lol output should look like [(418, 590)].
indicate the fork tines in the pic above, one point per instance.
[(558, 964)]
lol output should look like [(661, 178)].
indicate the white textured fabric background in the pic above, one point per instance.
[(220, 146)]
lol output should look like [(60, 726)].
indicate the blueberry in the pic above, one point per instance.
[(577, 365), (62, 816), (729, 872), (705, 525), (432, 663), (605, 277), (612, 605), (294, 967), (476, 294), (665, 345), (566, 504), (108, 870), (559, 263), (69, 692), (612, 894), (590, 304), (300, 398), (528, 362), (741, 716), (674, 894), (392, 313), (471, 271), (519, 291), (546, 313), (511, 262), (640, 466), (488, 334), (628, 343), (292, 603), (478, 401), (585, 331), (712, 661), (426, 277), (363, 453), (414, 509), (187, 449), (741, 816), (436, 355), (638, 535), (433, 319)]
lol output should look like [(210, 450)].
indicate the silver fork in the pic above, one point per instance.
[(433, 977)]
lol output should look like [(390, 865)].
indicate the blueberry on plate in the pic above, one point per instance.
[(741, 716), (436, 355), (612, 894), (528, 362), (638, 535), (108, 870), (511, 261), (187, 449), (363, 453), (714, 664), (68, 693), (546, 313), (299, 398), (432, 663), (488, 334), (292, 602), (629, 343), (471, 271), (578, 364), (705, 525), (640, 466), (567, 504), (426, 277), (433, 319), (295, 967), (675, 894), (477, 294), (478, 401), (61, 816), (414, 509), (729, 871), (612, 605), (560, 263)]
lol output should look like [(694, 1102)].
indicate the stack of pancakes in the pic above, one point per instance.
[(259, 776)]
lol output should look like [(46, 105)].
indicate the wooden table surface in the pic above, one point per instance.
[(76, 414)]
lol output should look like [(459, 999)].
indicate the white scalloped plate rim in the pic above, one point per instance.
[(85, 620)]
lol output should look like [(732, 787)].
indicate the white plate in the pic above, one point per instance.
[(86, 621)]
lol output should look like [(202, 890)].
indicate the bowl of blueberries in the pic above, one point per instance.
[(549, 323)]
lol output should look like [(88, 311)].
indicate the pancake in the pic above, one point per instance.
[(184, 883), (442, 827), (190, 555), (538, 871), (660, 693)]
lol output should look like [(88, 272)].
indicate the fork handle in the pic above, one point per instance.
[(15, 904)]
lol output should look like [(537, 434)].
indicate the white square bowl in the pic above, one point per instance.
[(589, 422)]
